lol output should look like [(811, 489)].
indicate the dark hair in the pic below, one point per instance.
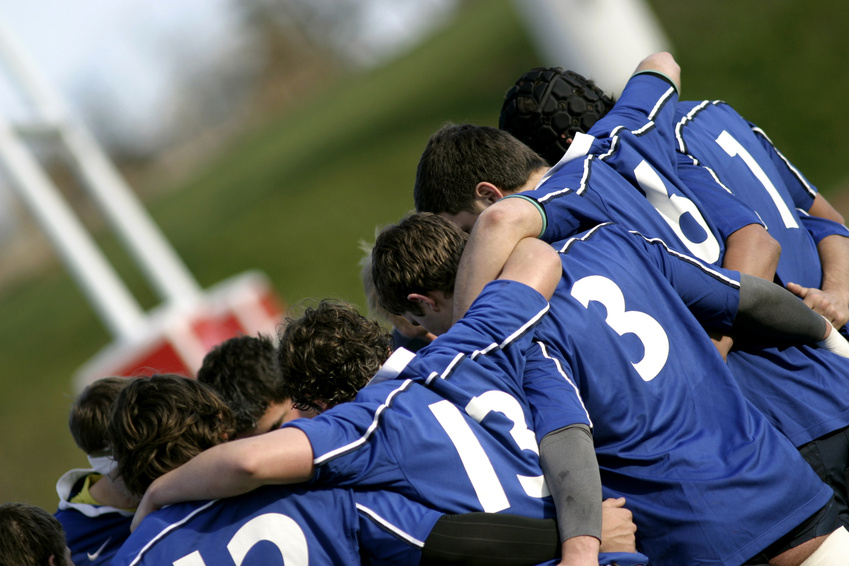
[(89, 417), (329, 353), (29, 536), (243, 370), (548, 106), (459, 156), (420, 254), (161, 422)]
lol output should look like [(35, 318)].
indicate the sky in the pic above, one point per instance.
[(120, 48), (129, 55)]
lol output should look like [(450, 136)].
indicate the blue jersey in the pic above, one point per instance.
[(401, 435), (92, 532), (803, 391), (673, 433), (640, 147), (270, 525), (393, 529), (712, 134), (626, 170)]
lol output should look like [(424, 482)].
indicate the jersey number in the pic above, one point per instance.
[(477, 464), (278, 529), (735, 149), (647, 329), (673, 208)]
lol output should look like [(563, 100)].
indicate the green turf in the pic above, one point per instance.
[(294, 196)]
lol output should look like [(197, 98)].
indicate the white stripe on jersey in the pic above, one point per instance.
[(566, 377), (666, 96), (515, 336), (690, 259), (394, 529), (170, 528), (682, 145), (364, 438), (589, 233)]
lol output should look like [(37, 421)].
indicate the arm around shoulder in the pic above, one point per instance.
[(282, 456), (663, 63), (536, 264), (496, 233)]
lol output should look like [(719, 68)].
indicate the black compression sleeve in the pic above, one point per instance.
[(770, 310), (495, 539), (567, 457)]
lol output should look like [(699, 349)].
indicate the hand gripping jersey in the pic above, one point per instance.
[(92, 532), (270, 525), (479, 455), (742, 158), (673, 433)]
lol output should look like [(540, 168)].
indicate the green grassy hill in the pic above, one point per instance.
[(294, 197)]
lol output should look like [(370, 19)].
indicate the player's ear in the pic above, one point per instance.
[(487, 193), (424, 300)]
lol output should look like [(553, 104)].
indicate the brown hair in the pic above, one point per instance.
[(89, 418), (459, 156), (329, 353), (29, 536), (420, 254), (243, 370), (161, 422)]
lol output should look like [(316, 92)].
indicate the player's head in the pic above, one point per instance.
[(411, 336), (329, 353), (243, 370), (30, 536), (161, 422), (89, 420), (414, 265), (465, 168), (548, 106)]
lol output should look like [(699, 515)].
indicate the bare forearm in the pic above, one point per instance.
[(580, 551), (278, 457), (752, 250), (823, 209), (834, 256), (496, 233)]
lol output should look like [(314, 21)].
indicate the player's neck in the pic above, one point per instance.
[(106, 492)]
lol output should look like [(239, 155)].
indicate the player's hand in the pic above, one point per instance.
[(145, 508), (617, 527), (833, 307)]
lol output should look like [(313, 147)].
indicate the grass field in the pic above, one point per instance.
[(294, 197)]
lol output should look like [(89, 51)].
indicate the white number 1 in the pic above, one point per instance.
[(733, 148)]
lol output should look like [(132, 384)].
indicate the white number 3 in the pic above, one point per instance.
[(648, 330)]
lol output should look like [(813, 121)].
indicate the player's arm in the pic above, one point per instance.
[(282, 456), (536, 264), (832, 300), (567, 457), (823, 209), (495, 235), (748, 250), (664, 64), (769, 310)]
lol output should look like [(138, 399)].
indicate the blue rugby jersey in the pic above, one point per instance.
[(674, 434), (270, 525)]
